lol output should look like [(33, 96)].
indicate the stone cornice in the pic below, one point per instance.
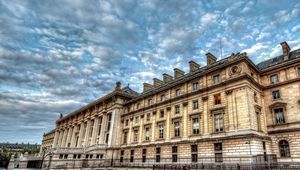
[(202, 90)]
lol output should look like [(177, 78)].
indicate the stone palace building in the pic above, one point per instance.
[(228, 111)]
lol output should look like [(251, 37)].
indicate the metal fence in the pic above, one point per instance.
[(260, 162)]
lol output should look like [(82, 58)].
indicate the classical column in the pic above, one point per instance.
[(60, 138), (141, 132), (153, 128), (130, 131), (56, 135), (69, 136), (103, 129), (95, 130), (205, 115), (87, 133), (73, 138), (185, 119), (64, 139), (167, 125), (81, 135), (111, 130)]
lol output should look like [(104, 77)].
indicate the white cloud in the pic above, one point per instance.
[(255, 48), (209, 18), (296, 28)]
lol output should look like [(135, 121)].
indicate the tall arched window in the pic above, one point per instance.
[(284, 148)]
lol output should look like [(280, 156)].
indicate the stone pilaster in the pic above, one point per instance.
[(56, 136), (69, 136), (73, 138), (185, 119), (64, 137), (103, 129), (95, 131), (81, 135), (87, 133)]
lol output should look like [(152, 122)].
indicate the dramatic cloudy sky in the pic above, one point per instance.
[(58, 55)]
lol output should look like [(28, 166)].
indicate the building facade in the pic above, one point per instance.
[(47, 141), (230, 110)]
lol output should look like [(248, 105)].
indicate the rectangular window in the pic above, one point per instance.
[(91, 128), (157, 158), (276, 94), (298, 71), (218, 122), (107, 137), (195, 105), (218, 152), (97, 156), (274, 79), (148, 117), (66, 156), (217, 98), (74, 156), (162, 97), (195, 126), (86, 156), (126, 122), (131, 155), (255, 97), (125, 137), (279, 117), (161, 131), (78, 156), (177, 92), (61, 156), (216, 79), (176, 129), (135, 135), (174, 154), (137, 105), (194, 152), (177, 109), (100, 124), (161, 114), (91, 156), (144, 153), (122, 156), (195, 86), (136, 120), (147, 134)]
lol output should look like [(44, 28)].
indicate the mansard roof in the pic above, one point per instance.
[(278, 60)]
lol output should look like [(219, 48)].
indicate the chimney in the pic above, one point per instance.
[(193, 66), (178, 73), (285, 50), (210, 58), (157, 82), (167, 77), (147, 87)]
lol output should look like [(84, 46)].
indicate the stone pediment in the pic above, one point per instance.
[(277, 104)]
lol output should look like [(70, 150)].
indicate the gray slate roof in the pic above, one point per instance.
[(277, 60)]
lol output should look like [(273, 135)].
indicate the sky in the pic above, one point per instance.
[(59, 55)]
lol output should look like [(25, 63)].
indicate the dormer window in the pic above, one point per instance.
[(177, 92), (274, 79), (276, 94), (216, 79), (195, 86)]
